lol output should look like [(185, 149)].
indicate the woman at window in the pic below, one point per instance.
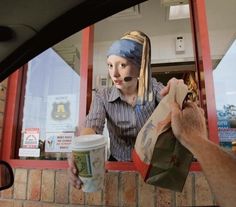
[(128, 103)]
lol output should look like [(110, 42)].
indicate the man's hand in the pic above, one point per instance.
[(166, 89), (188, 124)]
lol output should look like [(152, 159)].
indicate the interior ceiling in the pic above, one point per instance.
[(151, 17)]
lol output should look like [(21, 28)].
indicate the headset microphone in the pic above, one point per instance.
[(129, 78)]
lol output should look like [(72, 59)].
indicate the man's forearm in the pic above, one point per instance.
[(219, 167)]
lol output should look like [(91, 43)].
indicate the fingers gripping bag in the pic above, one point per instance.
[(158, 156)]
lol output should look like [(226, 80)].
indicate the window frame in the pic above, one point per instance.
[(203, 66)]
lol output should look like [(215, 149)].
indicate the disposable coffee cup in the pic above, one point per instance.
[(89, 155)]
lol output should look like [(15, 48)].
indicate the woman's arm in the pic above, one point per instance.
[(72, 169), (95, 119), (219, 166)]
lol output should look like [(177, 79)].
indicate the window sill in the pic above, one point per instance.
[(129, 166), (39, 164), (53, 164)]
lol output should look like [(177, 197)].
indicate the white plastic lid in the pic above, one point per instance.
[(88, 141)]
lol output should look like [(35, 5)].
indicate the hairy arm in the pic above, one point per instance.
[(219, 166)]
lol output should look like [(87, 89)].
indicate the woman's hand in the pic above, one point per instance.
[(166, 89), (73, 173)]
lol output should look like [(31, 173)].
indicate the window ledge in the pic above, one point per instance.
[(129, 166), (52, 164)]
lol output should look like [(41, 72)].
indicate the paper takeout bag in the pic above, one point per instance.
[(158, 155)]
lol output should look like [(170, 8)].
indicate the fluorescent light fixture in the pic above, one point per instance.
[(179, 12)]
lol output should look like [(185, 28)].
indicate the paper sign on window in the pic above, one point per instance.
[(58, 142), (61, 113), (31, 138)]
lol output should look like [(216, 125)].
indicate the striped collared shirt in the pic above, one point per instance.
[(123, 120)]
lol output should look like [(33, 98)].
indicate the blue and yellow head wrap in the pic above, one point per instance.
[(129, 49)]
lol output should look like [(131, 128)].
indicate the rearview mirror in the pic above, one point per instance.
[(6, 175)]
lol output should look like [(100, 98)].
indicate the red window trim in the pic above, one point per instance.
[(41, 164), (12, 107), (202, 55), (10, 116), (204, 65), (9, 133)]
